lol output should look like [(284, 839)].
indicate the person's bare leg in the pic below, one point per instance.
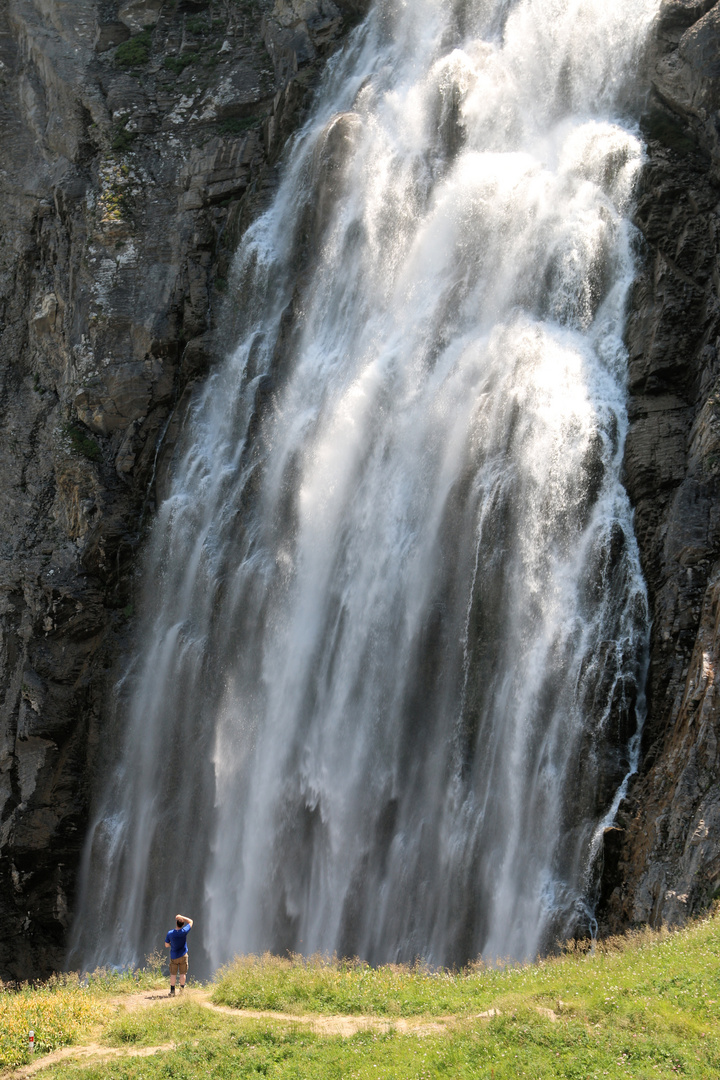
[(182, 980)]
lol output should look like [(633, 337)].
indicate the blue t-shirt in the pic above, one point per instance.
[(177, 940)]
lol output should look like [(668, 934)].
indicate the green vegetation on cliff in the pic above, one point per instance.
[(642, 1006), (82, 442), (135, 52)]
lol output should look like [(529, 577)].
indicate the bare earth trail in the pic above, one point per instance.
[(323, 1025), (79, 1053)]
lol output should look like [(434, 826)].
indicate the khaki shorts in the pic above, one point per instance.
[(179, 966)]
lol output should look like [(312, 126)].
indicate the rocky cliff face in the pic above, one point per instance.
[(139, 137), (664, 862)]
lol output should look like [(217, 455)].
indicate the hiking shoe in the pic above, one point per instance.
[(172, 991)]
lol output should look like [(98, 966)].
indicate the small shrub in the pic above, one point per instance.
[(197, 26), (135, 52), (177, 64), (81, 442), (122, 139)]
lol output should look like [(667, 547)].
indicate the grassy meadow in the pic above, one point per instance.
[(60, 1013), (643, 1006)]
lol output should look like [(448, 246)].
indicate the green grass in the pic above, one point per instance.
[(522, 1047), (151, 1027), (300, 985), (645, 1006), (60, 1013), (150, 976), (65, 1008), (623, 979)]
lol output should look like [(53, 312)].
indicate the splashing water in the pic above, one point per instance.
[(390, 669)]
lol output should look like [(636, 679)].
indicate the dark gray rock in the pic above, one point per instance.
[(664, 865), (127, 178)]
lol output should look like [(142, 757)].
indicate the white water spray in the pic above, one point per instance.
[(395, 626)]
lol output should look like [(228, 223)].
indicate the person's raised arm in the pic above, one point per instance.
[(184, 919)]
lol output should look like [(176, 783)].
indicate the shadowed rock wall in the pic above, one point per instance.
[(664, 862), (139, 137)]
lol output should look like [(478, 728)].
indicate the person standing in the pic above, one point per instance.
[(176, 942)]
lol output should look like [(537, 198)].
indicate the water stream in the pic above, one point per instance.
[(389, 669)]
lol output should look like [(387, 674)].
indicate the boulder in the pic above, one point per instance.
[(137, 15)]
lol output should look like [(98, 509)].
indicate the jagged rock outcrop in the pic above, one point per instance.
[(138, 138), (664, 862)]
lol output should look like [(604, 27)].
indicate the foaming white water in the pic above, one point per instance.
[(394, 630)]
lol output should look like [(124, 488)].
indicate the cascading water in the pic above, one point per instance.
[(394, 631)]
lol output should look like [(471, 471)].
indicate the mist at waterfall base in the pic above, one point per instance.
[(389, 670)]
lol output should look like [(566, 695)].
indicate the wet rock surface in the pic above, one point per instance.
[(139, 138), (664, 862)]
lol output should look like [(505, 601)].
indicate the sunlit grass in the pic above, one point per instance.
[(151, 1027), (65, 1008), (642, 1006), (631, 979), (128, 981), (59, 1013), (523, 1047)]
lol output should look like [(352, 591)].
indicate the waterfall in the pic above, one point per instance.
[(389, 668)]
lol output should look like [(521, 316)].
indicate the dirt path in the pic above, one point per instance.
[(333, 1025), (78, 1053), (323, 1025)]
